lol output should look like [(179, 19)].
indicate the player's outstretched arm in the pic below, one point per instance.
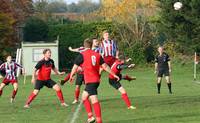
[(34, 76), (124, 66), (128, 60), (23, 71), (73, 71), (73, 49), (58, 72), (21, 67), (2, 66), (107, 69)]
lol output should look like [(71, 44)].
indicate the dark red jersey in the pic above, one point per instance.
[(44, 68), (116, 68), (91, 62)]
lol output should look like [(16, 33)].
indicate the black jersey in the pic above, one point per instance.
[(162, 61)]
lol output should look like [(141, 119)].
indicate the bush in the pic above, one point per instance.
[(136, 52), (35, 30)]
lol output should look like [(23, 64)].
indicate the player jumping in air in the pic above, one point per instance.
[(117, 67), (43, 69), (10, 68), (109, 48), (91, 62), (80, 77)]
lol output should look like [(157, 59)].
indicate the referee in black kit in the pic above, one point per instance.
[(163, 67)]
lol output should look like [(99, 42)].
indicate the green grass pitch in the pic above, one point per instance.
[(183, 106)]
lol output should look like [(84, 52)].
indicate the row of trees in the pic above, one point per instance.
[(57, 6), (182, 27), (138, 26), (12, 14)]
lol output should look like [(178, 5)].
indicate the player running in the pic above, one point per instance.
[(117, 67), (43, 69), (91, 62), (10, 69), (80, 77)]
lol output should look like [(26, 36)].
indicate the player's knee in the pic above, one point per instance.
[(167, 79), (36, 92), (77, 87), (2, 86), (15, 86), (56, 87), (122, 90), (94, 99), (159, 80), (84, 95)]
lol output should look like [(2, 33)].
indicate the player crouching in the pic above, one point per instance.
[(43, 69), (10, 68), (117, 67)]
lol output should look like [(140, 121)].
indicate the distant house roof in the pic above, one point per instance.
[(40, 44)]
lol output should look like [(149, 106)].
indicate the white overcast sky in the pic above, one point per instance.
[(75, 1), (71, 1)]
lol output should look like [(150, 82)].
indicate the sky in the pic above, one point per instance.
[(75, 1), (72, 1)]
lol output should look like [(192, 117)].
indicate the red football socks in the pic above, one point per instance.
[(97, 110), (60, 96), (126, 99), (88, 107), (126, 77), (30, 98), (1, 91), (77, 93), (67, 77), (14, 93)]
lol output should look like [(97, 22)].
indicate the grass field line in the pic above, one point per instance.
[(76, 113)]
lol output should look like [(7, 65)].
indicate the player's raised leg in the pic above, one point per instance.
[(129, 78), (62, 82)]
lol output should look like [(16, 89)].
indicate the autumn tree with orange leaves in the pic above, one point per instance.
[(12, 15), (132, 19)]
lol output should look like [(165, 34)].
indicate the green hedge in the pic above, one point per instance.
[(35, 30), (73, 35)]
